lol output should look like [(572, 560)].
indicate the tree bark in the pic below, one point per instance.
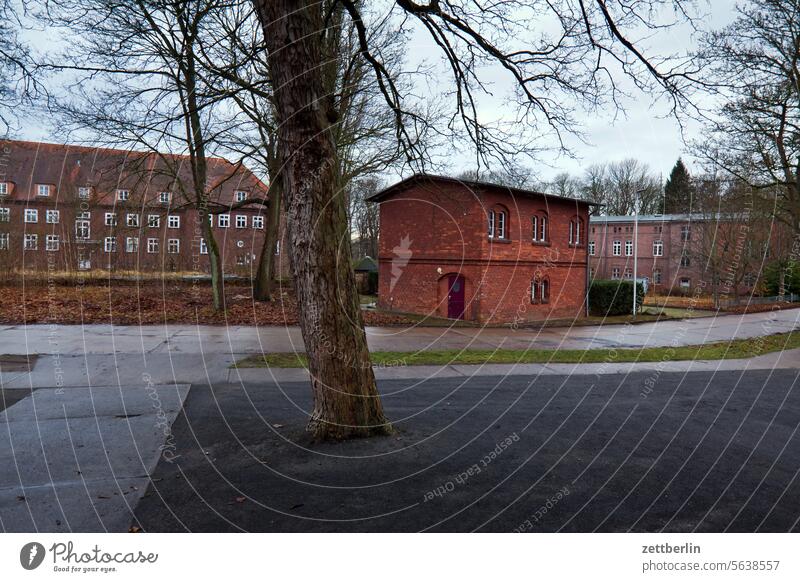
[(265, 275), (346, 400)]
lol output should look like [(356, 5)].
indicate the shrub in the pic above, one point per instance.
[(772, 277), (613, 297)]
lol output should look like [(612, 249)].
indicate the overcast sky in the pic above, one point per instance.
[(646, 132)]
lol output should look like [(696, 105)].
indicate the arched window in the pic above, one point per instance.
[(540, 290), (576, 232), (498, 223), (539, 227)]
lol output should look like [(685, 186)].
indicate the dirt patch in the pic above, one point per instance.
[(153, 303)]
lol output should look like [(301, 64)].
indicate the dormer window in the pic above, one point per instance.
[(43, 190), (497, 224), (123, 195), (164, 197), (539, 227), (84, 192), (241, 196)]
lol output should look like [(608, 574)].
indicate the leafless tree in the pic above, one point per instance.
[(554, 75)]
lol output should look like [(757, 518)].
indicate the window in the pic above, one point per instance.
[(750, 279), (31, 215), (164, 197), (152, 245), (686, 233), (539, 228), (224, 220), (497, 224), (627, 274), (43, 190), (123, 195), (131, 244), (628, 248), (540, 290), (576, 232), (132, 220), (657, 276), (51, 242), (591, 247), (203, 247), (241, 259), (111, 219), (686, 283), (4, 237), (211, 219), (110, 244), (544, 287), (657, 230), (3, 188), (241, 196), (543, 228), (241, 221), (658, 248), (84, 192), (685, 261), (616, 248), (173, 246), (591, 273), (153, 220), (174, 221), (31, 242), (52, 216), (82, 228), (615, 273), (258, 222), (535, 228), (5, 214)]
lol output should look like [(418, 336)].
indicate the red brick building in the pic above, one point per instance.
[(65, 208), (481, 252)]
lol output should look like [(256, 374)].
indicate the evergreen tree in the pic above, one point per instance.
[(678, 190)]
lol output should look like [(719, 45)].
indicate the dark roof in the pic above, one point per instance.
[(430, 178), (367, 265)]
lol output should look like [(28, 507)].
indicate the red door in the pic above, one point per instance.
[(455, 297)]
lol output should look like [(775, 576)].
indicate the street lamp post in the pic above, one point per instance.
[(635, 245)]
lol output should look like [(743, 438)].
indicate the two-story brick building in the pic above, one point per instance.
[(66, 207), (479, 251)]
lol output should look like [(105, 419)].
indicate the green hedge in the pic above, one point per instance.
[(612, 297)]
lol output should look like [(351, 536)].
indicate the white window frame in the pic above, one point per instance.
[(43, 190), (616, 248), (615, 273), (152, 245), (111, 219), (203, 247), (629, 248), (535, 227), (31, 242), (123, 195), (224, 220), (132, 244), (173, 221), (257, 222), (5, 215), (31, 216), (80, 224), (5, 241), (241, 221), (84, 192), (491, 224), (591, 248), (132, 220), (658, 248), (173, 246), (657, 276), (51, 242), (153, 221), (164, 197), (3, 188), (110, 244), (240, 196)]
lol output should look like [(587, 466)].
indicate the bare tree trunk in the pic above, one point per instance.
[(265, 276), (346, 400), (217, 290)]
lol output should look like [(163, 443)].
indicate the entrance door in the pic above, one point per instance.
[(455, 297)]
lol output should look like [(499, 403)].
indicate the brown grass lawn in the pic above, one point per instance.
[(152, 303)]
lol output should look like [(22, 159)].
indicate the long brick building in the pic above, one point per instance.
[(66, 208), (479, 251)]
